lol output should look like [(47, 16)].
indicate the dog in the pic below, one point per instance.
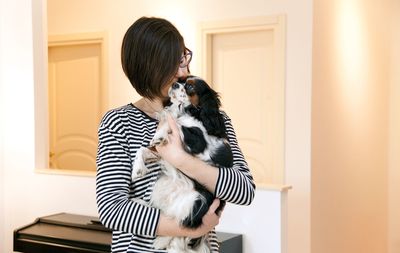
[(196, 108)]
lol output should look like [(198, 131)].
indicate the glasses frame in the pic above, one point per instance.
[(184, 62)]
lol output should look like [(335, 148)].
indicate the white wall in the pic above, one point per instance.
[(28, 195), (116, 18), (260, 224)]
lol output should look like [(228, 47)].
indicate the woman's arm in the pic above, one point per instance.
[(116, 208), (235, 184)]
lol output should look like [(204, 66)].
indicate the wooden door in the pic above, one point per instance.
[(75, 105), (245, 65)]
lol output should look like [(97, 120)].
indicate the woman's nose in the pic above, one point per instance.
[(182, 73)]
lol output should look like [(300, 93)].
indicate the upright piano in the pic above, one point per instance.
[(72, 233)]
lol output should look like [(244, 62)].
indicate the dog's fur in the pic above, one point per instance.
[(195, 107)]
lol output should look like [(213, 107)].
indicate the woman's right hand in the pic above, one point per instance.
[(210, 221), (170, 227)]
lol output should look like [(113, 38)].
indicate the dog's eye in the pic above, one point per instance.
[(189, 87), (175, 86)]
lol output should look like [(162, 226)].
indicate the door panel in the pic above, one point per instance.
[(75, 93), (243, 72)]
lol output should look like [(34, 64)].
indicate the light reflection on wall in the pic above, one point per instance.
[(352, 54)]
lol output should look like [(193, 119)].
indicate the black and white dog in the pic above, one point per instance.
[(195, 107)]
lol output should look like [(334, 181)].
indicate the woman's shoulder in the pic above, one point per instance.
[(126, 116), (115, 116)]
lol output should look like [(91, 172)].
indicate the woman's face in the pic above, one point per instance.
[(182, 73)]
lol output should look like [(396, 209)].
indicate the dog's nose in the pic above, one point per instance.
[(182, 79)]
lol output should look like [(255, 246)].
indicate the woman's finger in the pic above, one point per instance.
[(214, 206)]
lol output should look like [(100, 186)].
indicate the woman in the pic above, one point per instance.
[(153, 57)]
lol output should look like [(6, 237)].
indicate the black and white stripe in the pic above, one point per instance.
[(121, 133)]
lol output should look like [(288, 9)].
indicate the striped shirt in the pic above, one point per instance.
[(122, 132)]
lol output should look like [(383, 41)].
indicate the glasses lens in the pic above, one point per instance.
[(185, 60), (182, 63)]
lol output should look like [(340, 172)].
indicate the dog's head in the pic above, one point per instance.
[(177, 94), (200, 93), (178, 100), (204, 105)]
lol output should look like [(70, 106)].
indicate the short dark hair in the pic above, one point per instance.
[(150, 55)]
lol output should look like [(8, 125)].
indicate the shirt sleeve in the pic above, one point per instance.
[(116, 209), (236, 184)]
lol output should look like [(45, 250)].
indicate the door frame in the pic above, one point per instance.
[(59, 40)]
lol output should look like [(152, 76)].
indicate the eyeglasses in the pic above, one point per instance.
[(186, 58)]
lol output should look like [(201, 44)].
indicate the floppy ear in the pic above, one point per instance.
[(210, 115), (223, 156), (194, 140), (200, 207), (213, 122)]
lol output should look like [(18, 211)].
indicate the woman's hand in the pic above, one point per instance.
[(172, 151), (170, 227), (210, 220)]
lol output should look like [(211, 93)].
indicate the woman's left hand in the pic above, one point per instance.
[(172, 151)]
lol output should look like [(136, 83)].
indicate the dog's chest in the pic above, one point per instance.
[(142, 187)]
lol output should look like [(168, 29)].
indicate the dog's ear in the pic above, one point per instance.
[(207, 96), (192, 110), (194, 140), (209, 102), (223, 156), (213, 121)]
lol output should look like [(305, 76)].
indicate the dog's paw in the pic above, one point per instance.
[(151, 156), (161, 135), (139, 168), (158, 140)]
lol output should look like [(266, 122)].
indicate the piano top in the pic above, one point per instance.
[(65, 232), (53, 232)]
